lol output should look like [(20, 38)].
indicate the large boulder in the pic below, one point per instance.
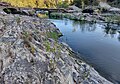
[(104, 5), (73, 8), (115, 10), (5, 4), (18, 11)]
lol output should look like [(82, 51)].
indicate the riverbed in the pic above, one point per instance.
[(99, 45)]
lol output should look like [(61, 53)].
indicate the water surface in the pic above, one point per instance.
[(98, 45)]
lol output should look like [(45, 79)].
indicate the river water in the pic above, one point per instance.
[(99, 45)]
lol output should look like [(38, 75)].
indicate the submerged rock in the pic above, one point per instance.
[(29, 55)]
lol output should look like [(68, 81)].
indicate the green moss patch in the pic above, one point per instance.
[(54, 35)]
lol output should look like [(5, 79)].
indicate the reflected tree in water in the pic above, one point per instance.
[(109, 31), (119, 36), (83, 26), (75, 25), (66, 21), (92, 27)]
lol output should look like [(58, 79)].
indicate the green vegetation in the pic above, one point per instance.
[(83, 3), (27, 41), (52, 65), (26, 36), (113, 19), (54, 35), (42, 15), (17, 19), (64, 4), (47, 45)]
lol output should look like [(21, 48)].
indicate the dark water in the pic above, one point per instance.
[(98, 45)]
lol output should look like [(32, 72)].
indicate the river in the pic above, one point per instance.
[(98, 45)]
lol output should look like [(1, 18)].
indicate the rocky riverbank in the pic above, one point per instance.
[(104, 18), (31, 54), (88, 14)]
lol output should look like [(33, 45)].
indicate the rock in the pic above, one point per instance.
[(2, 13), (104, 5), (19, 11), (29, 56), (74, 77), (115, 10), (5, 4), (72, 9)]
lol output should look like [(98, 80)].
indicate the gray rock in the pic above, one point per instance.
[(28, 56)]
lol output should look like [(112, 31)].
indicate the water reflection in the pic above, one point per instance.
[(119, 35), (108, 30), (98, 44), (83, 26)]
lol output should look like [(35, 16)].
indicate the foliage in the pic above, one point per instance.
[(82, 3), (59, 3), (53, 35), (113, 18), (63, 4), (21, 3), (42, 15), (38, 3)]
